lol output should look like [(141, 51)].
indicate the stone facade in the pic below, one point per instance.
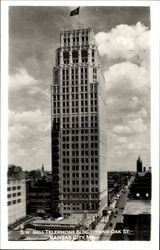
[(78, 114), (16, 193)]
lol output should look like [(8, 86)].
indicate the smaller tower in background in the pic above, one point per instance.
[(139, 165), (42, 167)]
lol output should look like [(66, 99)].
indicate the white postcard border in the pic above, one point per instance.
[(155, 54)]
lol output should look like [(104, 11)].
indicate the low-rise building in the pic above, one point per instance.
[(39, 197), (137, 212), (16, 194), (74, 221), (141, 187), (137, 219)]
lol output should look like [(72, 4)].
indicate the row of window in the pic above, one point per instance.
[(75, 89), (79, 196), (78, 138), (77, 145), (83, 161), (76, 60), (84, 207), (82, 124), (75, 33), (75, 96), (83, 189), (77, 175), (77, 125), (74, 82), (77, 167), (74, 71), (80, 131), (76, 160), (14, 194), (13, 188), (82, 168), (75, 40), (65, 78), (75, 110), (83, 153), (83, 182), (13, 202), (82, 103)]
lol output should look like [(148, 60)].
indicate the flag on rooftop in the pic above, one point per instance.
[(75, 12)]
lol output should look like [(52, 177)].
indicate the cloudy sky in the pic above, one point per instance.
[(122, 35)]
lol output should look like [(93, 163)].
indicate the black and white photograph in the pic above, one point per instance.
[(79, 123)]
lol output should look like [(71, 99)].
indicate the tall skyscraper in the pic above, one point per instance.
[(79, 116)]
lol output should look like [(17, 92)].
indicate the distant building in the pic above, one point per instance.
[(15, 171), (137, 218), (39, 198), (139, 165), (141, 187), (78, 112), (34, 175), (137, 212), (16, 194)]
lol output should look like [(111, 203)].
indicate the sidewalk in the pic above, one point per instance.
[(99, 227)]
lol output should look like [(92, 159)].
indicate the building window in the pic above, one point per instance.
[(9, 203)]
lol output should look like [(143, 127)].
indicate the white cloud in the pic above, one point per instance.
[(125, 42), (142, 113), (122, 140), (122, 130), (29, 127), (21, 80), (35, 118), (29, 138), (132, 127), (136, 146), (17, 132), (137, 126), (126, 76)]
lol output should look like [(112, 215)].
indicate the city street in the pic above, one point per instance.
[(115, 218), (102, 225)]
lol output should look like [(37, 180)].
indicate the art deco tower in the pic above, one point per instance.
[(78, 115)]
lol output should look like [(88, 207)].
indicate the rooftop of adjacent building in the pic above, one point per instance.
[(137, 207), (40, 183), (73, 219)]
